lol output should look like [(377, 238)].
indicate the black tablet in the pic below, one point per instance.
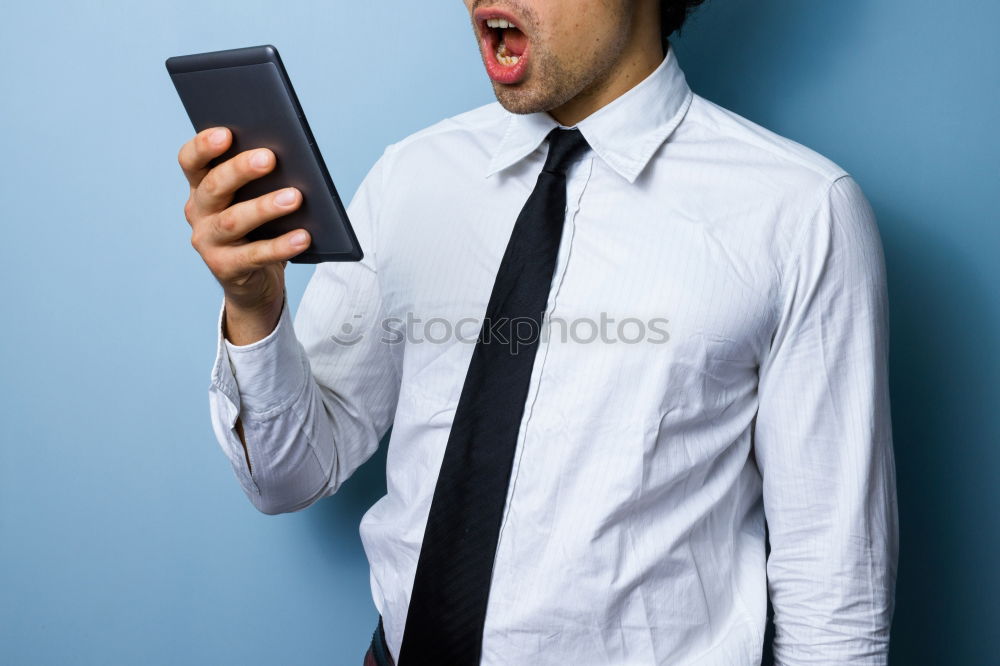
[(248, 91)]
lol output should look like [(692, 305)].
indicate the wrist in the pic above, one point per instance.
[(244, 325)]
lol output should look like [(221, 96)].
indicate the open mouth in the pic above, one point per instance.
[(505, 46)]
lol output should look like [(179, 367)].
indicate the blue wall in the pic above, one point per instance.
[(124, 537)]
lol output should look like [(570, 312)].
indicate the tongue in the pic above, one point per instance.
[(516, 41)]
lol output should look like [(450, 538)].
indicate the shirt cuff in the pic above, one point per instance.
[(265, 377)]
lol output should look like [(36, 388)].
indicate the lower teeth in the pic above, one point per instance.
[(504, 59)]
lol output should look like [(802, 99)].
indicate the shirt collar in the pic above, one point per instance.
[(624, 133)]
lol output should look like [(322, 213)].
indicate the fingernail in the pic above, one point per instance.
[(260, 159), (300, 238), (218, 137), (285, 198)]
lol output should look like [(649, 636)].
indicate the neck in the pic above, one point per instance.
[(641, 56)]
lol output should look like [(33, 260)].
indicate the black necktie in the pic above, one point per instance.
[(444, 624)]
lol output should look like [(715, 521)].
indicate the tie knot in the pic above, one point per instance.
[(565, 147)]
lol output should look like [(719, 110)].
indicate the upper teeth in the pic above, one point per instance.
[(503, 24)]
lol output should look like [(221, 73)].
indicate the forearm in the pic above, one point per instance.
[(290, 438), (296, 409), (244, 327), (257, 398)]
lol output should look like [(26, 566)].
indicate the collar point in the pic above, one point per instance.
[(629, 170), (631, 175)]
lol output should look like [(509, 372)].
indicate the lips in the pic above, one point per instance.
[(506, 47)]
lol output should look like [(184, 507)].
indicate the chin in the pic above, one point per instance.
[(515, 103), (522, 99)]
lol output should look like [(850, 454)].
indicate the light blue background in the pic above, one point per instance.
[(124, 537)]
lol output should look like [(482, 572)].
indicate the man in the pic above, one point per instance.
[(614, 328)]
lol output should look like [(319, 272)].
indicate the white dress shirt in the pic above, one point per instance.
[(716, 353)]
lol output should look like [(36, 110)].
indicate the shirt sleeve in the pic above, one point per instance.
[(315, 396), (823, 440)]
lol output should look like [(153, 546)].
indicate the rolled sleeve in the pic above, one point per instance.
[(823, 440)]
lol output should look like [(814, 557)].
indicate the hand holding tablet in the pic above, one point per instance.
[(248, 92)]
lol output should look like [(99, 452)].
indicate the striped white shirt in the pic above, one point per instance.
[(715, 356)]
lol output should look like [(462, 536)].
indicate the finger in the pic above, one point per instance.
[(258, 254), (238, 220), (218, 186), (206, 145)]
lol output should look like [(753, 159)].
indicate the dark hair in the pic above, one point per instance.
[(673, 13)]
